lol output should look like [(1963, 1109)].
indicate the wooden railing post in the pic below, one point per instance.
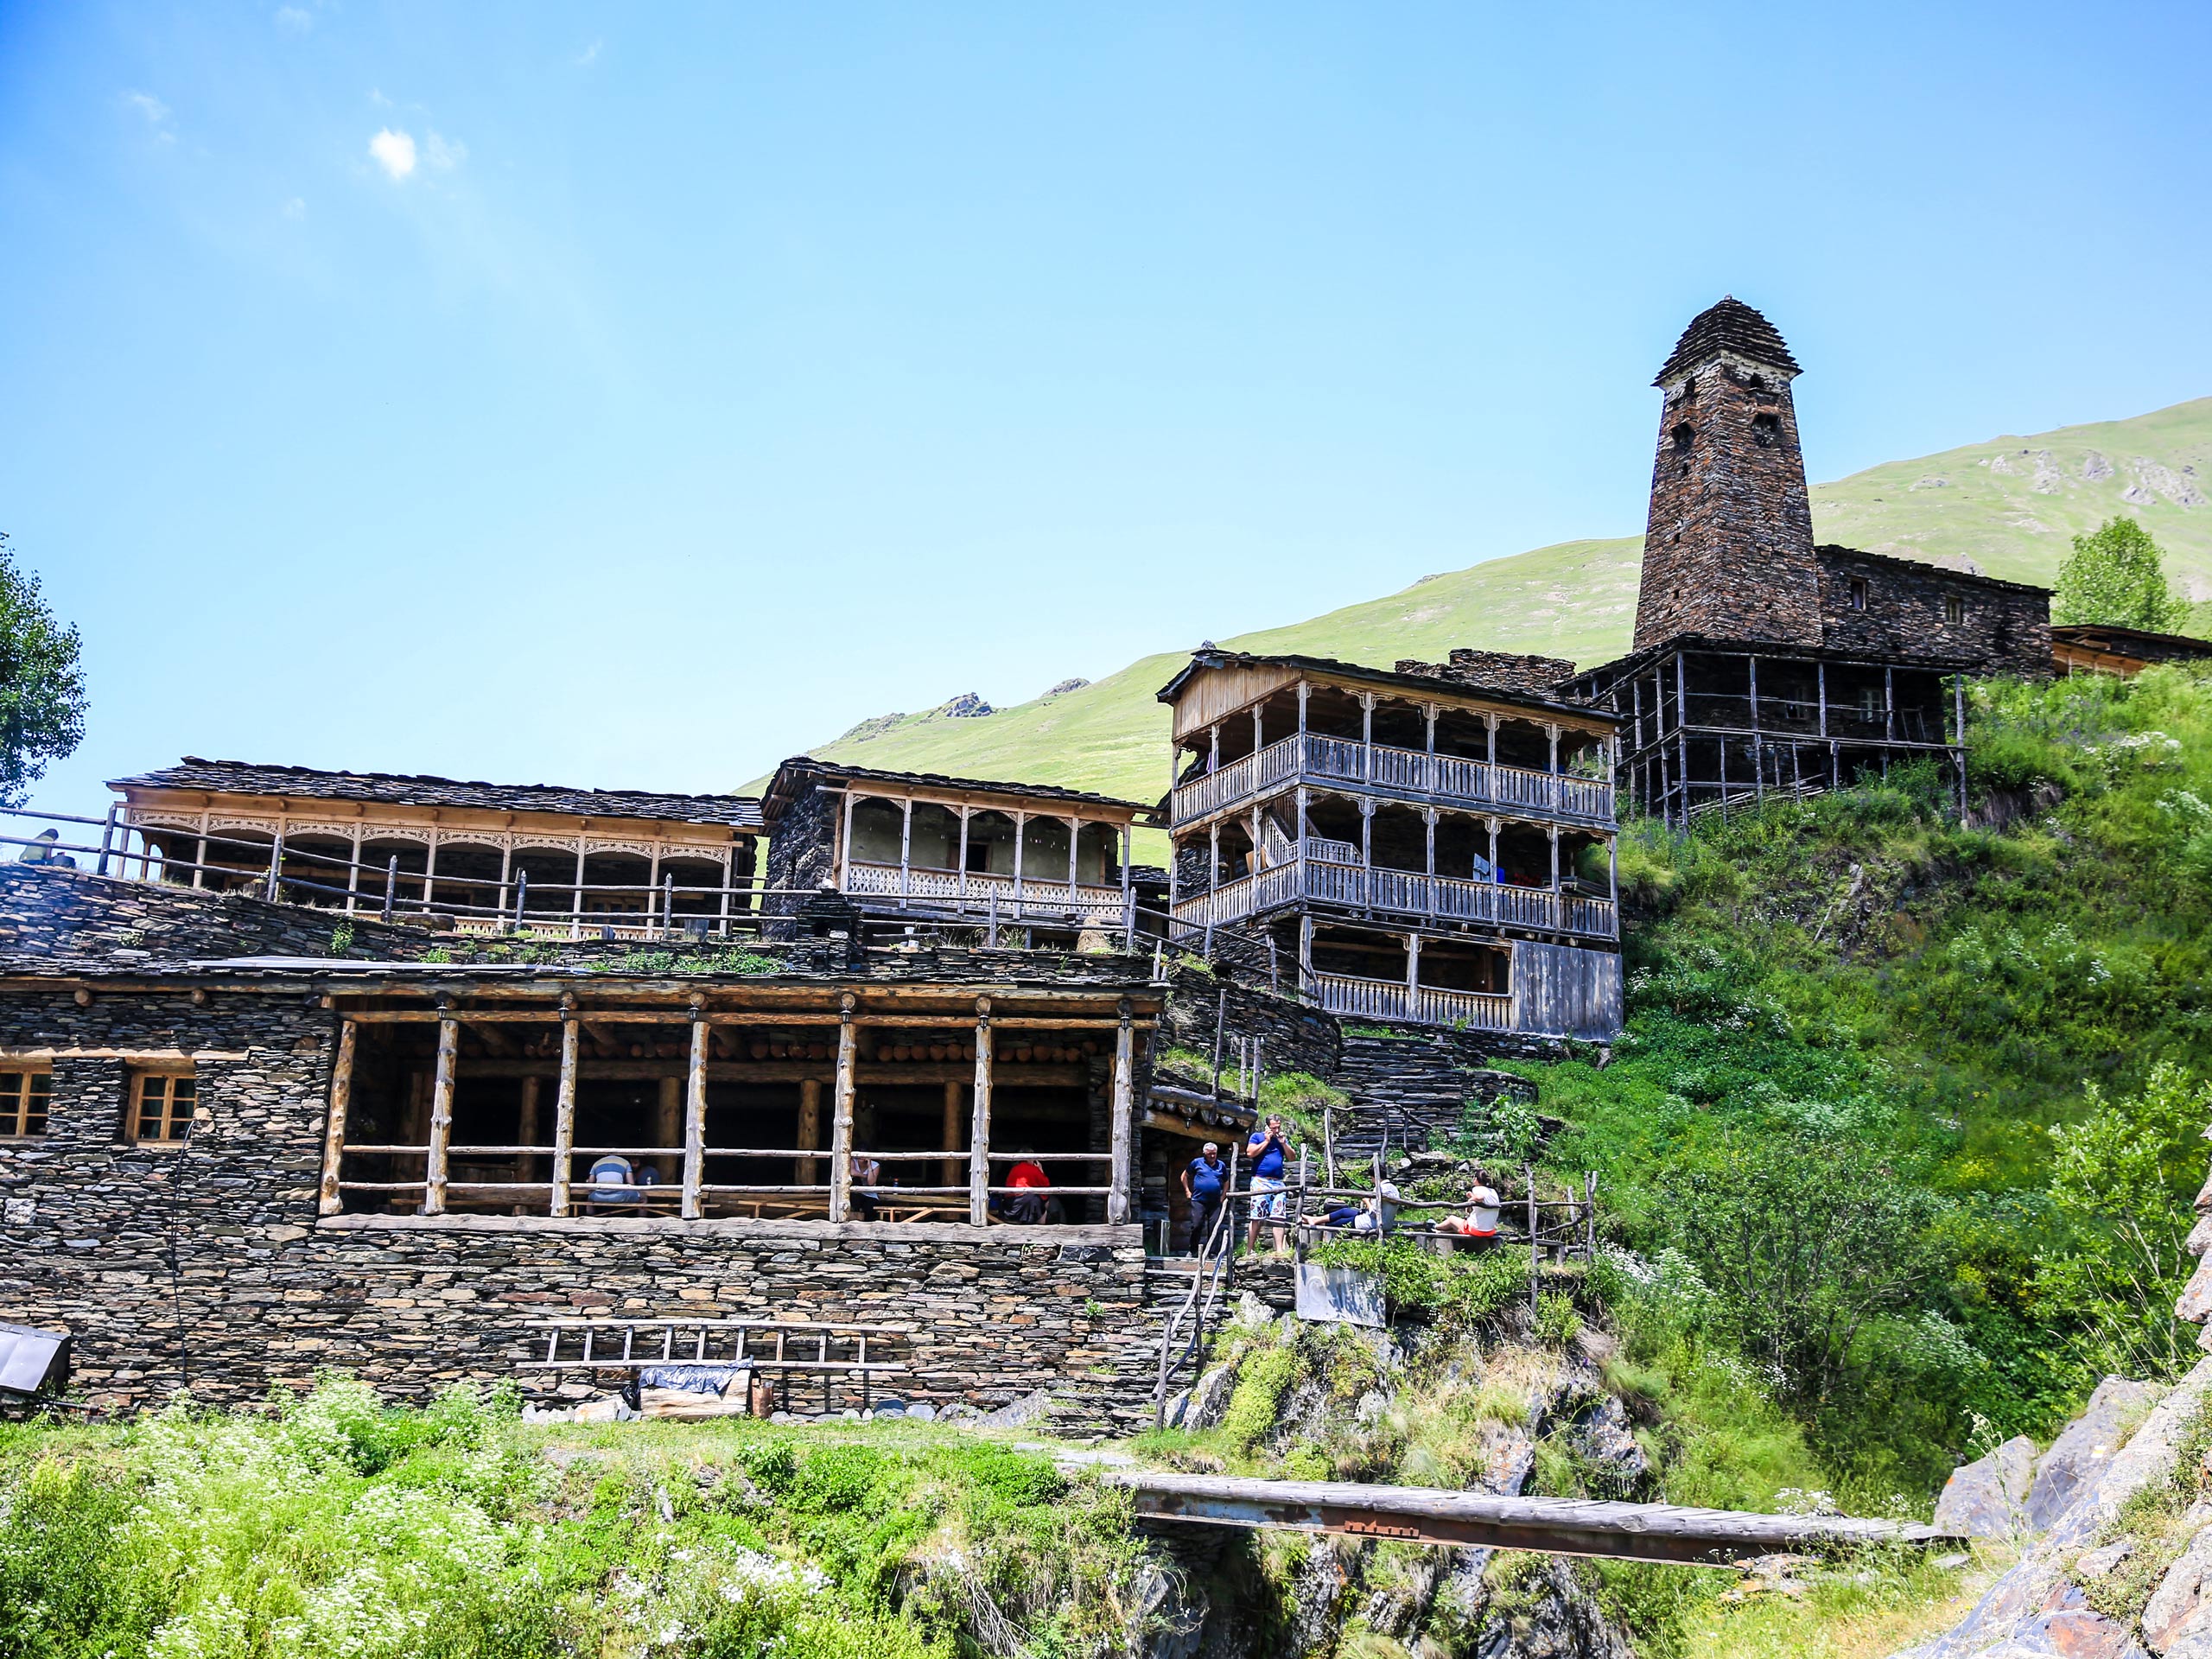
[(434, 1161), (564, 1110), (1117, 1200), (276, 866), (695, 1112), (334, 1135), (979, 1132), (841, 1113), (390, 886), (810, 1129)]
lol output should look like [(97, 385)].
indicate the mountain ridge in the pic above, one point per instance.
[(2006, 507)]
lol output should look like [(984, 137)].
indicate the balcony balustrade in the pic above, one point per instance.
[(939, 890), (1337, 761), (1384, 999), (1403, 893)]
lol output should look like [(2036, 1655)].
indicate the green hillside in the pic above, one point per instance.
[(2006, 508)]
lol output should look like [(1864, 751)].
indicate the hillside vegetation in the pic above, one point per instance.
[(2007, 507)]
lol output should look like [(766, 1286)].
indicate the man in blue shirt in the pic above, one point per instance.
[(1268, 1149), (1204, 1177)]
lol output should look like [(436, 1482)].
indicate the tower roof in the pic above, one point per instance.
[(1731, 326)]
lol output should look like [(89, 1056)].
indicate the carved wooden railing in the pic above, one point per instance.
[(1443, 778)]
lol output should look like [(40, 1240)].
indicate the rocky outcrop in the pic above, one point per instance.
[(2087, 1447), (1988, 1497)]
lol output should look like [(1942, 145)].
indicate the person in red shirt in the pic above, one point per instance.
[(1026, 1207)]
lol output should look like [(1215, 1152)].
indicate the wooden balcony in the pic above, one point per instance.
[(937, 892), (1400, 892), (1339, 763), (1386, 999)]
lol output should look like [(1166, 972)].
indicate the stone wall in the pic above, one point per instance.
[(2004, 626), (207, 1263), (1292, 1037), (803, 852), (49, 913)]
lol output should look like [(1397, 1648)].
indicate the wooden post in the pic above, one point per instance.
[(441, 1136), (1075, 840), (810, 1129), (964, 812), (1328, 1146), (949, 1174), (1117, 1201), (276, 866), (576, 896), (526, 1128), (391, 884), (1366, 736), (845, 848), (1535, 1257), (695, 1115), (906, 847), (429, 870), (841, 1115), (564, 1110), (979, 1133), (669, 1130), (1681, 733), (334, 1135), (1128, 890), (1020, 828)]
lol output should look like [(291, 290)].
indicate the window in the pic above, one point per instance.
[(1954, 609), (160, 1107), (1766, 431), (1683, 437), (1859, 593), (23, 1102)]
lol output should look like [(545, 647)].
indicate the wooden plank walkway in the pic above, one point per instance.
[(1643, 1532)]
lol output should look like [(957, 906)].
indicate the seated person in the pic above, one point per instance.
[(1483, 1207), (1026, 1207), (610, 1182)]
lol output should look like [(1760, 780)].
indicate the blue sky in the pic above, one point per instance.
[(631, 396)]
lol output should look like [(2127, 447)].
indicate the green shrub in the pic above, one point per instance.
[(1262, 1379)]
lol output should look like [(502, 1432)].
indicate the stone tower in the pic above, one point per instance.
[(1728, 550)]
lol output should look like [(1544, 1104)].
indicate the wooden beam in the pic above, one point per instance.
[(809, 1129), (1124, 1109), (1647, 1532), (840, 1120), (695, 1122), (441, 1135), (565, 1116), (979, 1130), (668, 1129), (526, 1125), (951, 1174), (334, 1135)]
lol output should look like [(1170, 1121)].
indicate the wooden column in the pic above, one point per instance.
[(810, 1129), (845, 846), (1213, 855), (352, 871), (1495, 875), (1366, 736), (1129, 888), (1366, 833), (564, 1113), (964, 812), (906, 844), (1020, 826), (576, 897), (979, 1133), (434, 1163), (333, 1134), (1413, 969), (526, 1128), (669, 1131), (1490, 741), (1075, 841), (1117, 1201), (1889, 705), (949, 1175), (1682, 734), (1305, 949), (841, 1116), (1428, 844), (695, 1116), (429, 868)]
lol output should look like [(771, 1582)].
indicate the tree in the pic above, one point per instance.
[(2124, 1175), (2118, 577), (1806, 1241), (41, 683)]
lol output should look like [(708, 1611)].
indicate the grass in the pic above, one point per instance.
[(334, 1525)]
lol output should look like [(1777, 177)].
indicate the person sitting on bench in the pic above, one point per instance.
[(1479, 1224), (1025, 1208), (611, 1183)]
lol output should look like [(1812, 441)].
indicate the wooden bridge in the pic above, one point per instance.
[(1566, 1526)]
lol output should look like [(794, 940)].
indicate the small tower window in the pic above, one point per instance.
[(1766, 431), (1859, 593), (1954, 609), (1683, 435)]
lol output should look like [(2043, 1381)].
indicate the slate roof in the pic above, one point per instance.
[(1214, 657), (1731, 326), (243, 778), (800, 767)]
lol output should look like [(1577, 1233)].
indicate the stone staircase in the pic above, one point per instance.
[(1408, 1091)]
